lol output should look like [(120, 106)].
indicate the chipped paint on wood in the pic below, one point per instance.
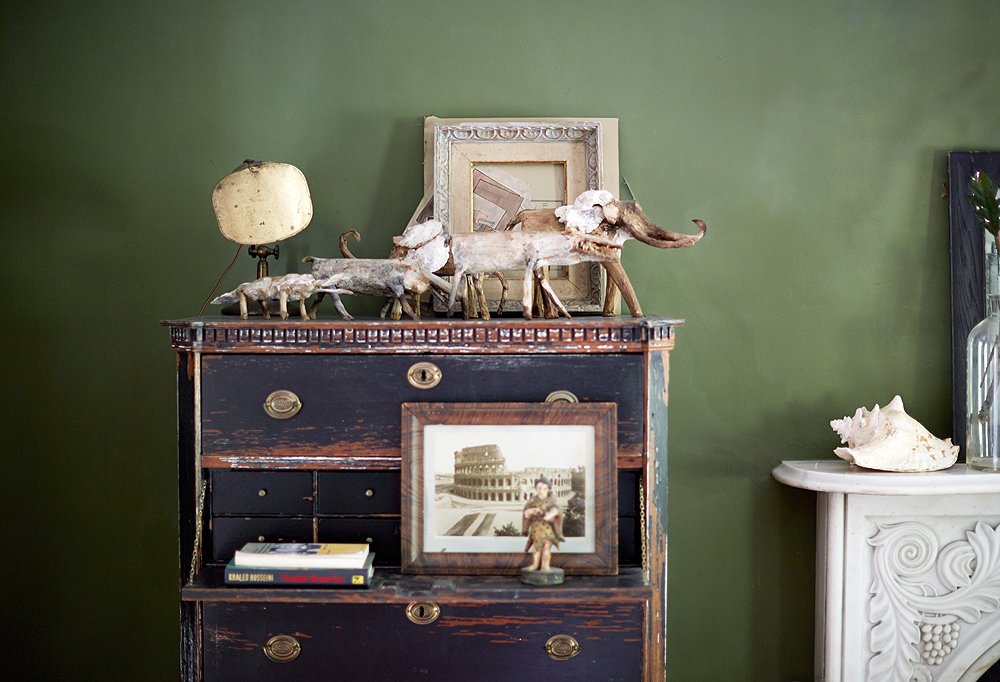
[(619, 360), (502, 638)]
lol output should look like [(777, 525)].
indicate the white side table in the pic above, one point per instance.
[(907, 572)]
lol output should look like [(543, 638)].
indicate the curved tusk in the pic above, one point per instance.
[(666, 239)]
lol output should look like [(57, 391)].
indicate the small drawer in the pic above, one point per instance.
[(472, 642), (358, 492), (231, 533), (381, 534), (262, 492), (628, 491)]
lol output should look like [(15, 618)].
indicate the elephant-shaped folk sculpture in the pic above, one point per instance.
[(598, 214)]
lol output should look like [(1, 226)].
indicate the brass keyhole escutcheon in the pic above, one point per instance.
[(282, 648), (423, 612), (424, 375), (561, 397), (282, 404), (562, 647)]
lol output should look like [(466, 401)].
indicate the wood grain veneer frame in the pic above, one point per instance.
[(602, 416)]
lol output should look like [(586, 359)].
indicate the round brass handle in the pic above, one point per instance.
[(561, 397), (282, 404), (424, 375), (562, 647), (282, 648), (423, 612)]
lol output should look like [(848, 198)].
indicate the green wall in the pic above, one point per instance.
[(810, 135)]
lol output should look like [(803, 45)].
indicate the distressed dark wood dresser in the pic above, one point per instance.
[(331, 473)]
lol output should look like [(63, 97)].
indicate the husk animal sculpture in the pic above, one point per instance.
[(290, 287), (411, 274), (377, 277), (891, 440), (595, 217), (426, 245), (481, 252), (598, 213)]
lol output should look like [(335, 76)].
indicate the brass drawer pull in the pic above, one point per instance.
[(282, 404), (282, 648), (562, 647), (423, 612), (561, 397), (424, 375)]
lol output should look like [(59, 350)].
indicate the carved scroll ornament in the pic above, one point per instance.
[(923, 595)]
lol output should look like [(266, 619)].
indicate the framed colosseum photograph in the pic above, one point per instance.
[(474, 475)]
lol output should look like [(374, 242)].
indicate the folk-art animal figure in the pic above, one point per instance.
[(428, 244), (290, 287), (425, 245), (598, 213), (531, 252), (593, 228), (375, 276)]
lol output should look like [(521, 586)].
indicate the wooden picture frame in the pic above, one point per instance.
[(471, 164), (968, 241), (469, 468)]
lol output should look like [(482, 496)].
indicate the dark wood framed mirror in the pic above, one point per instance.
[(968, 283)]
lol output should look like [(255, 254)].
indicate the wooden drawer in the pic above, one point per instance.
[(628, 491), (350, 404), (262, 492), (359, 492), (381, 534), (231, 533), (469, 642)]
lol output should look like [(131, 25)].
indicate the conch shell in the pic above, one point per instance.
[(891, 440)]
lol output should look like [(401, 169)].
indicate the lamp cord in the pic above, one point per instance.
[(224, 273)]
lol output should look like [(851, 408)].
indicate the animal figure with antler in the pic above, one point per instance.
[(411, 274), (426, 244), (598, 213)]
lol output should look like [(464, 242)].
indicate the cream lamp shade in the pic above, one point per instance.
[(262, 202)]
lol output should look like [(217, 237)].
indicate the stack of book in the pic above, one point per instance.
[(301, 565)]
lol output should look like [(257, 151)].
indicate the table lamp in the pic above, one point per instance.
[(262, 202)]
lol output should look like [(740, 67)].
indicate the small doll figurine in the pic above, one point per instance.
[(541, 521)]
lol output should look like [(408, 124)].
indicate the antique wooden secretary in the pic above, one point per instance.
[(291, 431)]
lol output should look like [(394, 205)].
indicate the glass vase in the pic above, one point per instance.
[(982, 440)]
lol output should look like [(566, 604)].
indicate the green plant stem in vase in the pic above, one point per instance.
[(983, 377)]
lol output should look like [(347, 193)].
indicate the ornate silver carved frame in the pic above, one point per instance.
[(578, 145)]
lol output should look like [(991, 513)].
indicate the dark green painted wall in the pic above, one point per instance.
[(811, 135)]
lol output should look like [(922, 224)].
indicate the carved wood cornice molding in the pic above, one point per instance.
[(601, 335)]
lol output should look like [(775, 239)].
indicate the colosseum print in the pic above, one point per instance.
[(484, 476)]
